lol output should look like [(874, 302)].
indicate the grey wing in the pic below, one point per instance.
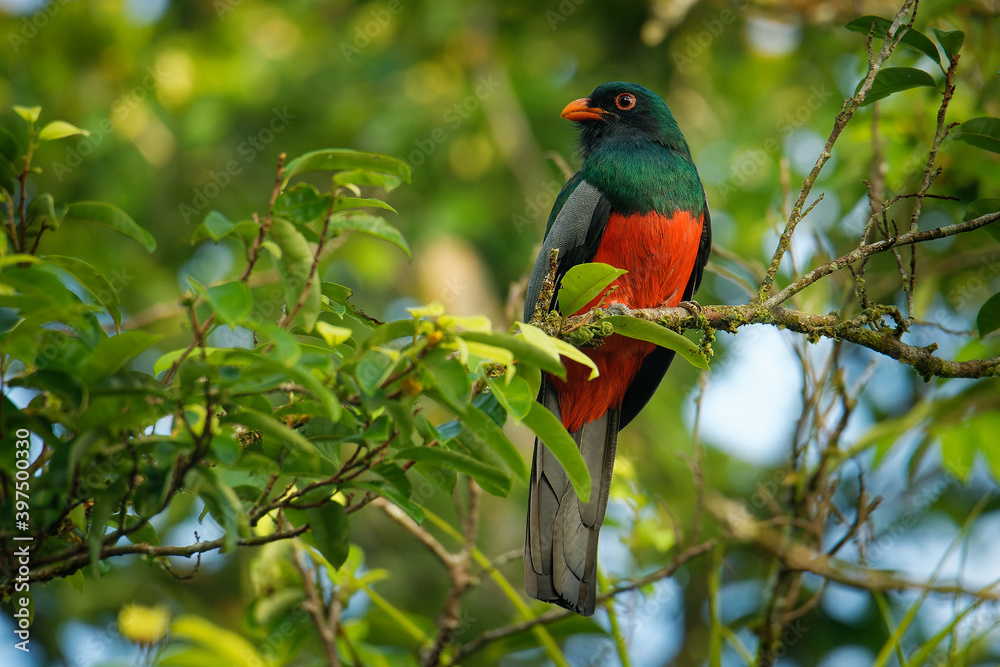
[(576, 232)]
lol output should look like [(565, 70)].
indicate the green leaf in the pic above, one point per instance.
[(190, 656), (337, 293), (652, 332), (300, 374), (492, 479), (114, 352), (333, 335), (887, 432), (280, 442), (479, 323), (577, 355), (34, 282), (294, 267), (550, 431), (113, 217), (372, 369), (228, 647), (216, 226), (514, 394), (481, 353), (393, 495), (373, 225), (583, 283), (19, 258), (105, 502), (364, 177), (450, 379), (891, 80), (981, 207), (222, 502), (331, 532), (301, 203), (286, 346), (345, 203), (545, 356), (167, 360), (43, 213), (145, 533), (958, 451), (8, 146), (481, 426), (988, 319), (29, 114), (430, 310), (951, 41), (395, 476), (533, 376), (556, 348), (92, 281), (346, 160), (980, 132), (60, 129), (914, 39), (982, 429), (398, 329), (231, 301)]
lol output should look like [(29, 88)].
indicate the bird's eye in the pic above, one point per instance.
[(625, 101)]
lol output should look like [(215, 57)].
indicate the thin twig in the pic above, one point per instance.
[(930, 173), (892, 38), (744, 528), (287, 319), (909, 238), (253, 254), (557, 614), (73, 564), (316, 608)]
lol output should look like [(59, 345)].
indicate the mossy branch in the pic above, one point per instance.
[(869, 329)]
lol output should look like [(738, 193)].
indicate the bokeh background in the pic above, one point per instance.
[(189, 105)]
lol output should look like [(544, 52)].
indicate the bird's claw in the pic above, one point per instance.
[(616, 308), (692, 307)]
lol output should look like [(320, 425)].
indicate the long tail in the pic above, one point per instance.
[(560, 546)]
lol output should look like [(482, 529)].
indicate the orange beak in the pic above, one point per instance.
[(578, 111)]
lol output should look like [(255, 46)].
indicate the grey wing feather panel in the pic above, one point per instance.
[(570, 230)]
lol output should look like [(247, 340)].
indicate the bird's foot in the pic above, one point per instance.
[(616, 308), (692, 307)]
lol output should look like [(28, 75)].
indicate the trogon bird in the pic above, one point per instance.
[(637, 204)]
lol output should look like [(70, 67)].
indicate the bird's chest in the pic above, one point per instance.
[(657, 250)]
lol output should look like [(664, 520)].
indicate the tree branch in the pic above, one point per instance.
[(554, 615), (73, 564), (316, 608), (863, 251), (892, 38), (859, 331), (745, 528)]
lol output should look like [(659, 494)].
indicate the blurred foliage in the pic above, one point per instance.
[(187, 107)]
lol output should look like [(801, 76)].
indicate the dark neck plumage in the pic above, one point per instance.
[(639, 175)]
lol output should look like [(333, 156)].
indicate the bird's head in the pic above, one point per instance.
[(621, 113)]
